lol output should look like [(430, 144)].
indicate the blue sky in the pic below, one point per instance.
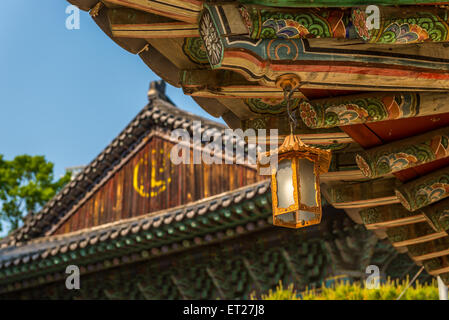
[(65, 93)]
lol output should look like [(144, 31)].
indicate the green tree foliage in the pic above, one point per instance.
[(26, 184), (389, 290)]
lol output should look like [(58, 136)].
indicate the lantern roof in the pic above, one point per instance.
[(293, 147)]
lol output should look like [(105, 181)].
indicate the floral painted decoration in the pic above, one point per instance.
[(359, 18), (308, 115), (396, 162), (406, 33), (287, 29)]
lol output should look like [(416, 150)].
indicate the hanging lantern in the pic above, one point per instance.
[(295, 183)]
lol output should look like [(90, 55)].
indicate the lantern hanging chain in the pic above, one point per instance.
[(288, 93), (411, 282)]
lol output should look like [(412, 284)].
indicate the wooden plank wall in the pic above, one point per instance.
[(149, 182)]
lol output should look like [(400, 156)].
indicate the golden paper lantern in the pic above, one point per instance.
[(295, 183)]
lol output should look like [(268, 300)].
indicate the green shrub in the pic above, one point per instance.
[(388, 290), (280, 294)]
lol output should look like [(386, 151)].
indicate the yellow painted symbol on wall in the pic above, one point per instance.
[(156, 186)]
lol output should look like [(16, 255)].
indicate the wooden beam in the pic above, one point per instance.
[(85, 5), (212, 106), (182, 10), (371, 107), (438, 215), (101, 19), (160, 30), (429, 250), (363, 194), (227, 84), (130, 23), (346, 175), (437, 266), (412, 234), (404, 154), (425, 190), (389, 216), (333, 140), (160, 65)]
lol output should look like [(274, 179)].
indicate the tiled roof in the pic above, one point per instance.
[(159, 114), (212, 219)]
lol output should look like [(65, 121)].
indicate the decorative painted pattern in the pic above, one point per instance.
[(438, 215), (256, 124), (359, 19), (318, 66), (195, 50), (425, 190), (404, 154), (211, 38), (311, 23), (396, 28), (270, 105), (410, 234), (423, 27), (362, 194), (328, 113), (389, 216), (430, 249)]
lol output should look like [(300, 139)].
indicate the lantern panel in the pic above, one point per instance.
[(307, 183), (285, 187), (306, 216), (287, 218)]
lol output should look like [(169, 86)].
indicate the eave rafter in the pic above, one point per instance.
[(363, 194), (389, 216), (182, 10), (402, 236), (404, 154), (130, 23)]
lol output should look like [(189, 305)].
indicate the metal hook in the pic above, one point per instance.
[(288, 93)]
